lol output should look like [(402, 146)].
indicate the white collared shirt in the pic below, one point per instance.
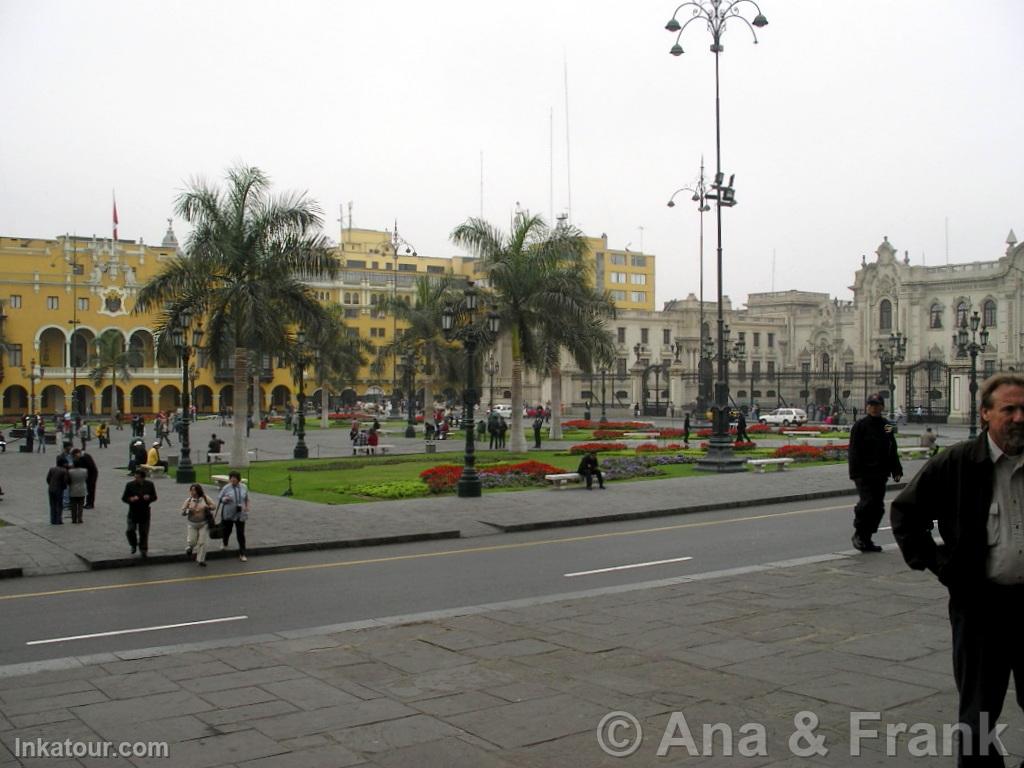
[(1005, 525)]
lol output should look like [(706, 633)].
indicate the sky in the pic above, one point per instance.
[(847, 122)]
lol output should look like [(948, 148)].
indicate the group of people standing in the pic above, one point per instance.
[(71, 484)]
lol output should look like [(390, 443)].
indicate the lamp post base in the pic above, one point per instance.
[(410, 431), (721, 458), (186, 474), (469, 487), (300, 452)]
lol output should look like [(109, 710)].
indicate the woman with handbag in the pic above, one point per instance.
[(198, 508)]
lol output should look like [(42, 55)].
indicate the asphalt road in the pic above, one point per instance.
[(296, 591)]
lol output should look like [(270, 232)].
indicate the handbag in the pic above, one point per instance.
[(215, 528)]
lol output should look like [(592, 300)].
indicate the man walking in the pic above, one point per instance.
[(538, 424), (741, 429), (139, 494), (872, 459), (85, 460), (974, 489)]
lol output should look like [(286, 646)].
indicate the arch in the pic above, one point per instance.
[(83, 340), (105, 398), (280, 397), (170, 398), (16, 399), (885, 315), (142, 399), (84, 399), (52, 348), (935, 315), (988, 313), (202, 399), (348, 397), (963, 311), (227, 396), (51, 399), (826, 363), (166, 356), (141, 345)]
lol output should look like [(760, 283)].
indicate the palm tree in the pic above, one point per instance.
[(341, 356), (541, 281), (110, 358), (424, 337), (245, 263)]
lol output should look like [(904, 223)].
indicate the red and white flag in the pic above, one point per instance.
[(115, 216)]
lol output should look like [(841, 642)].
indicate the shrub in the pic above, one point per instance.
[(798, 452), (399, 489), (441, 478), (835, 452), (759, 429), (670, 432), (608, 434), (597, 447)]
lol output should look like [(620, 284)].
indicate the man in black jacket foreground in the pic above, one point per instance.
[(873, 459), (138, 494), (975, 490)]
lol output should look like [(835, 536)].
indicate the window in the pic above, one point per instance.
[(52, 302), (638, 278), (990, 368), (961, 313), (353, 332), (355, 264), (771, 341), (618, 295), (638, 297), (638, 260), (620, 367), (755, 369), (935, 316), (16, 301), (377, 333), (742, 335), (826, 362), (848, 371), (885, 315), (622, 335), (618, 277), (741, 369), (988, 313), (644, 336), (83, 304), (617, 258), (771, 368), (805, 368), (757, 339), (14, 355), (666, 336), (406, 267), (435, 270)]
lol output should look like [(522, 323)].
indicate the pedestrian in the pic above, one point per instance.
[(248, 425), (502, 430), (234, 504), (373, 440), (83, 435), (137, 455), (492, 429), (78, 478), (153, 457), (686, 430), (41, 436), (589, 468), (928, 440), (636, 410), (872, 460), (972, 489), (85, 459), (139, 494), (741, 429), (56, 484), (481, 430), (198, 509), (538, 424), (103, 436), (216, 445)]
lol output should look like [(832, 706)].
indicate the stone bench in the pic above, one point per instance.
[(368, 450), (152, 471), (563, 479), (222, 480), (913, 451), (225, 456), (762, 464)]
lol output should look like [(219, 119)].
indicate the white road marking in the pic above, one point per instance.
[(886, 528), (135, 631), (627, 567)]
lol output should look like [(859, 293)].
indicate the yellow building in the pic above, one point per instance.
[(58, 296)]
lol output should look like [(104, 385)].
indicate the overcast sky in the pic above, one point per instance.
[(849, 121)]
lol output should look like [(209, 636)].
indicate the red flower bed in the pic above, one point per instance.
[(532, 468), (444, 477), (798, 452), (707, 432), (441, 478), (670, 432), (625, 425), (647, 448), (597, 447), (608, 434), (759, 429), (806, 428)]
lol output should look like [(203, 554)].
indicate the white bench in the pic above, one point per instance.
[(912, 451), (221, 458), (761, 464), (563, 479), (642, 435), (222, 480), (815, 441), (368, 449), (153, 471)]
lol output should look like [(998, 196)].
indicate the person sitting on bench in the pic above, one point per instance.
[(589, 468)]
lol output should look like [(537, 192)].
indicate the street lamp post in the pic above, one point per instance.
[(716, 14), (396, 241), (604, 413), (470, 333), (889, 355), (180, 338), (737, 352), (971, 345), (302, 359), (410, 398), (32, 376), (491, 367)]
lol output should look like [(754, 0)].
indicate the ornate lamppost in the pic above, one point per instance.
[(491, 367), (396, 241), (409, 363), (193, 374), (889, 355), (737, 352), (180, 338), (971, 345), (470, 332), (32, 376), (604, 412), (303, 357), (716, 14)]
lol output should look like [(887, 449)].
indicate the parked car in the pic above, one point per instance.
[(784, 417), (503, 409)]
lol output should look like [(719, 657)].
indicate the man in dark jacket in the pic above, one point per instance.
[(873, 459), (56, 484), (973, 490), (86, 461), (589, 469), (138, 495)]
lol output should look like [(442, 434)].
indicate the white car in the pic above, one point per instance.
[(784, 417), (503, 409)]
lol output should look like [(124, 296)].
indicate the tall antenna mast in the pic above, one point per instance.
[(947, 239), (350, 220), (568, 154), (551, 165), (481, 184)]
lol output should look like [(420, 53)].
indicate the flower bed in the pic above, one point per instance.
[(444, 477), (759, 429), (608, 434), (624, 425), (671, 432), (798, 453), (597, 447), (739, 445), (806, 428)]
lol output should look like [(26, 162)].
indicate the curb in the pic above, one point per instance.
[(710, 507), (405, 538), (11, 573)]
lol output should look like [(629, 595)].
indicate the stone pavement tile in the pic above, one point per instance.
[(416, 657), (470, 677), (5, 724), (487, 625), (469, 701), (672, 637), (897, 644), (338, 678), (613, 700), (170, 729), (566, 661), (512, 649), (797, 664), (530, 722), (242, 679), (862, 691), (75, 730), (686, 679), (328, 756), (939, 661), (581, 750), (323, 658), (237, 697), (46, 677), (190, 669), (580, 642), (451, 752), (736, 649), (47, 703), (45, 690), (220, 750), (524, 691), (135, 684), (330, 718), (908, 674), (243, 658), (246, 714), (393, 734), (154, 663), (309, 693), (141, 709), (303, 644), (372, 674), (40, 718)]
